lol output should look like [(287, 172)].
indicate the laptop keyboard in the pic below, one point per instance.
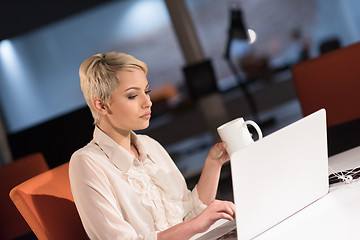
[(229, 235)]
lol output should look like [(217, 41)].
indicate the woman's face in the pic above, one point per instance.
[(129, 105)]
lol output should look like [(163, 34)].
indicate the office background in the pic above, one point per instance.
[(41, 103)]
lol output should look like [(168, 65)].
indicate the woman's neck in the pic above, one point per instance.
[(121, 137)]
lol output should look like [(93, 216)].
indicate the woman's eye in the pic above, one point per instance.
[(132, 96), (148, 91)]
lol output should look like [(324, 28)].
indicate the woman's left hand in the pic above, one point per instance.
[(218, 153)]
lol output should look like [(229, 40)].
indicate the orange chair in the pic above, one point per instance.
[(332, 81), (12, 224), (47, 204)]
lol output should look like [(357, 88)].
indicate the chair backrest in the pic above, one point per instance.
[(330, 81), (47, 204), (12, 224)]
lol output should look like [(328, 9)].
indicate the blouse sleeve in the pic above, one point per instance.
[(198, 205), (97, 206)]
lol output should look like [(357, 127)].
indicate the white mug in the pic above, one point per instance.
[(236, 134)]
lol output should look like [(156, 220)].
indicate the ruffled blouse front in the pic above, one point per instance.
[(155, 195)]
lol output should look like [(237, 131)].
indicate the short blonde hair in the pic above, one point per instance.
[(98, 76)]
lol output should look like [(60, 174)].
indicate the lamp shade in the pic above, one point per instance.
[(237, 27)]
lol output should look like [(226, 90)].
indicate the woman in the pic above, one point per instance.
[(125, 185)]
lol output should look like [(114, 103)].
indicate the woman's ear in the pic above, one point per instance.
[(99, 106)]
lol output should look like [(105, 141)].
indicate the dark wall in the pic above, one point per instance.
[(57, 139)]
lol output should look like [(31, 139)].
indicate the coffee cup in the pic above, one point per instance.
[(236, 134)]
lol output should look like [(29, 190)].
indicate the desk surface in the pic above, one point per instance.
[(334, 216)]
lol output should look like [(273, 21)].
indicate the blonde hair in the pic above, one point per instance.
[(98, 76)]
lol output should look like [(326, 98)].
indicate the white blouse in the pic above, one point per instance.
[(121, 197)]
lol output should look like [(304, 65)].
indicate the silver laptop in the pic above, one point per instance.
[(277, 176)]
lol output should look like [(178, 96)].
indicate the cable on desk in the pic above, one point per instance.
[(346, 176)]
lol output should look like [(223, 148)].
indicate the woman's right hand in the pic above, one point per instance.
[(216, 210)]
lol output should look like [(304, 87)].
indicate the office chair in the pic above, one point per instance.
[(47, 204), (12, 224), (332, 81)]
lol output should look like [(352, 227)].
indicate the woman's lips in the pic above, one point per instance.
[(146, 115)]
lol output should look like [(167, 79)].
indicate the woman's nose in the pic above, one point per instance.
[(147, 102)]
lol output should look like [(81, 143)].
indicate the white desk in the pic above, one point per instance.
[(334, 216)]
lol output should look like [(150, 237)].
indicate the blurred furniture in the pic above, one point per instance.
[(332, 81), (256, 67), (329, 45), (47, 204), (200, 79), (12, 224), (163, 97)]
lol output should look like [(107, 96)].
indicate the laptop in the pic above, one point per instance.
[(276, 177)]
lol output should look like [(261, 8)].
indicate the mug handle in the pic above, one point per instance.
[(257, 128)]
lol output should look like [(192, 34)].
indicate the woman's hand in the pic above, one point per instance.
[(185, 230), (218, 153), (216, 210)]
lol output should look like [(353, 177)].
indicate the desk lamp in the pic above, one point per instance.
[(237, 30)]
